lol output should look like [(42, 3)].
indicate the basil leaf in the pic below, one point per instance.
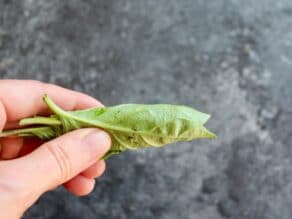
[(131, 126)]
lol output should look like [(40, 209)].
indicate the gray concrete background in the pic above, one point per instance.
[(230, 58)]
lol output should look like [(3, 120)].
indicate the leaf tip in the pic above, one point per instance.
[(212, 135), (208, 134)]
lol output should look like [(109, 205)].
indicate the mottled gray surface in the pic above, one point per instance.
[(230, 58)]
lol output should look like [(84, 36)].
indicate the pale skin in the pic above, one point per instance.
[(29, 167)]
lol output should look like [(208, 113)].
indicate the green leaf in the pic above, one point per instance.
[(134, 126), (131, 126)]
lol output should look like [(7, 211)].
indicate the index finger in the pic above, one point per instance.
[(23, 98)]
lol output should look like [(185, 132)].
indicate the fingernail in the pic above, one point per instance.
[(98, 143)]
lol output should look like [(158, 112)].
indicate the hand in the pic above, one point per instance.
[(29, 167)]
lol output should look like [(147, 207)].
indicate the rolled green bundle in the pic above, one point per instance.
[(131, 126)]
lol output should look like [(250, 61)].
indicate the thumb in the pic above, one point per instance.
[(59, 160)]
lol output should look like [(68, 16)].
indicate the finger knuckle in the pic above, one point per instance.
[(62, 160)]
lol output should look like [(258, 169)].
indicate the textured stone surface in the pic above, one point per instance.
[(230, 58)]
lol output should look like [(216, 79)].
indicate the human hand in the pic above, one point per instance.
[(29, 167)]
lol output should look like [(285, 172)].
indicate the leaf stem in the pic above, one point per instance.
[(23, 132), (39, 120), (56, 109)]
